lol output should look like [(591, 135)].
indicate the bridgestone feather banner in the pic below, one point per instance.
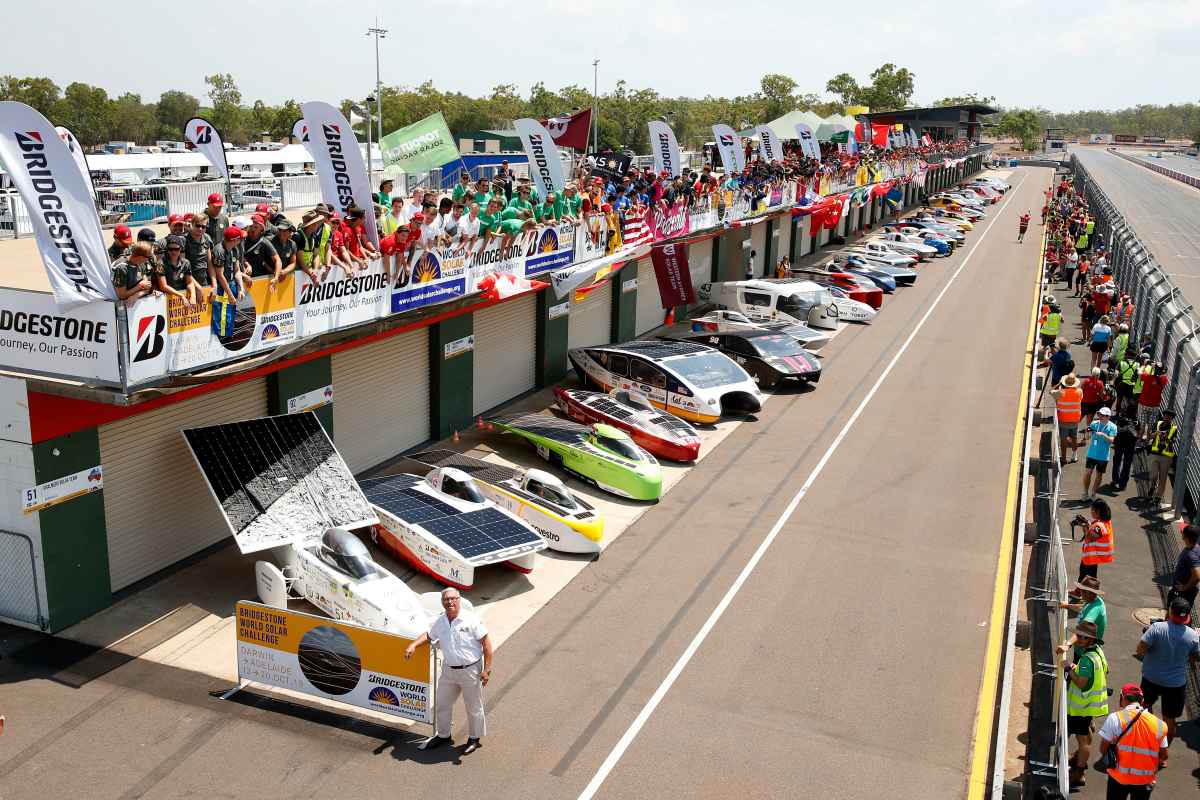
[(60, 205), (545, 167), (76, 149), (769, 147), (808, 142), (341, 170), (205, 137), (665, 149), (729, 145)]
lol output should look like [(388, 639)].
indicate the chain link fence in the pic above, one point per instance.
[(20, 595)]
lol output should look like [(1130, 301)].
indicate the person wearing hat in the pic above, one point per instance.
[(131, 273), (285, 246), (261, 257), (312, 246), (217, 219), (1162, 455), (1068, 400), (1124, 448), (173, 276), (463, 193), (1127, 380), (1102, 433), (550, 211), (1059, 362), (175, 224), (1141, 744), (198, 247), (1167, 649), (122, 241), (227, 271), (571, 203), (1086, 675), (1051, 325), (1120, 342), (1089, 607)]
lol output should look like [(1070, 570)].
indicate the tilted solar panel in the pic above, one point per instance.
[(471, 533), (659, 348), (560, 430), (483, 470)]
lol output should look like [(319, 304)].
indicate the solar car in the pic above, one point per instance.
[(726, 320), (685, 379), (768, 357), (782, 300), (657, 432)]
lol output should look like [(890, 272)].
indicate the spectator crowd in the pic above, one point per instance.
[(1115, 412)]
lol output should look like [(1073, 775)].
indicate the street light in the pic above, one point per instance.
[(378, 33)]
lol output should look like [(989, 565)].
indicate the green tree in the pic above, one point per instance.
[(284, 119), (845, 87), (133, 120), (890, 88), (778, 95), (227, 112), (1024, 126), (173, 110), (967, 99), (504, 105), (87, 111), (40, 93)]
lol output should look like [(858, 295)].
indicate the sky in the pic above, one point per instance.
[(1063, 56)]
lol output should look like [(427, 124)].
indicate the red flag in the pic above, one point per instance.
[(879, 134), (571, 131), (673, 274)]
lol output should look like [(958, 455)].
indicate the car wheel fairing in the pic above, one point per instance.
[(739, 402)]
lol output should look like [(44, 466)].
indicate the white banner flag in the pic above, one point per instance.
[(808, 142), (300, 134), (545, 167), (665, 149), (769, 148), (60, 206), (341, 170), (207, 139), (912, 137), (729, 144), (76, 149)]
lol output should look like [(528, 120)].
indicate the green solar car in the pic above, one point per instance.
[(602, 455)]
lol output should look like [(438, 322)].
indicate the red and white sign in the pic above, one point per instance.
[(570, 131)]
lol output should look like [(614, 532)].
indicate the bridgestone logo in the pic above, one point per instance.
[(315, 293), (664, 149), (767, 148), (50, 204), (341, 176), (538, 149), (53, 326)]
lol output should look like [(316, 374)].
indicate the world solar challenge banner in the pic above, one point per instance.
[(334, 660)]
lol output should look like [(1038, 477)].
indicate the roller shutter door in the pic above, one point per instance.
[(803, 236), (783, 239), (822, 237), (381, 398), (505, 358), (700, 259), (157, 506), (590, 322), (650, 313), (758, 243), (855, 217)]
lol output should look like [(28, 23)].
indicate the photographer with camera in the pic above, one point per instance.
[(1099, 542), (1099, 451)]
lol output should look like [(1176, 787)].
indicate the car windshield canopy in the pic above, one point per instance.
[(621, 447), (463, 490), (343, 551), (634, 399), (798, 304), (775, 345), (551, 493), (707, 370)]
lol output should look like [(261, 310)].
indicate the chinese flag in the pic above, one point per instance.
[(879, 135)]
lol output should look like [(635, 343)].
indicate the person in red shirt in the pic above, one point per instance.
[(1102, 298), (360, 243), (1022, 227), (1154, 381), (1093, 395)]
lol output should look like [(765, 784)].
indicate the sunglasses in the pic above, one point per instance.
[(174, 249)]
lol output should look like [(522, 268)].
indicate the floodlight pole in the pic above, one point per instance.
[(378, 33)]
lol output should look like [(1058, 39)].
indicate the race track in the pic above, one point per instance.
[(845, 662)]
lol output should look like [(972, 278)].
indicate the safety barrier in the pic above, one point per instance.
[(20, 595), (1164, 320), (1182, 177)]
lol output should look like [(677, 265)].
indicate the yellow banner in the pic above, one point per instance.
[(182, 317)]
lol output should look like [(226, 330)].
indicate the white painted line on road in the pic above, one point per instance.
[(636, 726)]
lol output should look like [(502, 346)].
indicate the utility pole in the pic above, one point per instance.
[(595, 105), (378, 33)]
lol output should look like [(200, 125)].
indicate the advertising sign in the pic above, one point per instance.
[(673, 276), (60, 490), (420, 147), (341, 300), (665, 149), (39, 336), (545, 166), (307, 401), (204, 136), (667, 223), (341, 170), (729, 145), (770, 150), (334, 660), (61, 208)]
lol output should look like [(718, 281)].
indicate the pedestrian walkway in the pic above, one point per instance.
[(1135, 585)]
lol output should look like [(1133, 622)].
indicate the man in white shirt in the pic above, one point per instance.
[(1141, 747), (466, 669)]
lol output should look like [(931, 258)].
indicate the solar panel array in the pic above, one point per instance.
[(471, 533), (606, 405), (483, 470), (658, 348), (278, 479), (558, 430)]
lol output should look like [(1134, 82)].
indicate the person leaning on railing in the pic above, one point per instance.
[(174, 274), (1086, 674), (131, 273)]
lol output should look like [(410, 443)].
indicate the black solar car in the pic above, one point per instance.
[(769, 357)]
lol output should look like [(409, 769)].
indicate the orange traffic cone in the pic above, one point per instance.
[(455, 437), (670, 320)]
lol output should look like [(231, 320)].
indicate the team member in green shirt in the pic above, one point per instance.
[(572, 203), (463, 189), (384, 196), (520, 201), (490, 218), (550, 211), (1090, 608), (512, 228)]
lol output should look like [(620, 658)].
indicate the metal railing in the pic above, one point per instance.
[(1165, 322)]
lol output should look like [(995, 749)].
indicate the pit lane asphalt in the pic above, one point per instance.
[(848, 666), (1164, 212)]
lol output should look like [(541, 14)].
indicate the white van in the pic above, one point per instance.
[(784, 300)]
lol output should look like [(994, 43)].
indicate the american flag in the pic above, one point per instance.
[(633, 230)]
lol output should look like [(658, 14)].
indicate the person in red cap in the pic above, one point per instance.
[(218, 220), (228, 268), (122, 241), (261, 256), (1140, 743)]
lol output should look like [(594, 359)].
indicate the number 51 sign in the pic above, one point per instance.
[(60, 490)]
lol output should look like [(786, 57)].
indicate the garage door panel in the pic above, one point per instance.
[(381, 398), (505, 357), (699, 262), (158, 508), (590, 321), (758, 243), (650, 312)]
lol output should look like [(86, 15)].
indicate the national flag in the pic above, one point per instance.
[(926, 141), (634, 230), (572, 130), (879, 135)]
